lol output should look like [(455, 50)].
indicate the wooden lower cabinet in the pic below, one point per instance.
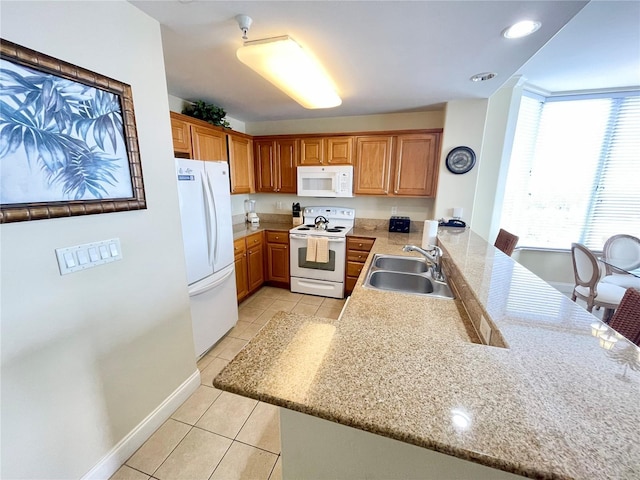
[(249, 263), (278, 257), (358, 249)]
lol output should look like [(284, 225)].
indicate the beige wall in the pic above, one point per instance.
[(464, 126), (393, 121), (87, 356), (502, 116), (177, 104)]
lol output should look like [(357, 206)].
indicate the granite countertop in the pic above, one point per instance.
[(551, 403)]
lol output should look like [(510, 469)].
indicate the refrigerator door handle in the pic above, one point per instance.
[(208, 208), (206, 286), (215, 221)]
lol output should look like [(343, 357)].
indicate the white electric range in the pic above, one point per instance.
[(325, 279)]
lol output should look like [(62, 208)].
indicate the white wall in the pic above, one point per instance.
[(502, 116), (87, 356), (463, 126)]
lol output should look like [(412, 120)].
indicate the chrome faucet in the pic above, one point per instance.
[(434, 258)]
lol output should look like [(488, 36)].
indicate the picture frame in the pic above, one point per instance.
[(68, 140)]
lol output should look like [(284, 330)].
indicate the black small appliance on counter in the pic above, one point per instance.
[(400, 224)]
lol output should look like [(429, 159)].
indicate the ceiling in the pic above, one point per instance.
[(396, 56)]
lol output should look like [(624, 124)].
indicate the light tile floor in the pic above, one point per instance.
[(217, 435)]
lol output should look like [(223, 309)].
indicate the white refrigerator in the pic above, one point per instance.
[(205, 211)]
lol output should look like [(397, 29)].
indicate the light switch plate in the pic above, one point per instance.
[(89, 255), (485, 330)]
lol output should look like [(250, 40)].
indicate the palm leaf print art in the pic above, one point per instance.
[(72, 132)]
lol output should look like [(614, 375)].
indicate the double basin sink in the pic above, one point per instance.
[(405, 275)]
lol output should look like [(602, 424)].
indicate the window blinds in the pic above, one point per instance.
[(574, 173)]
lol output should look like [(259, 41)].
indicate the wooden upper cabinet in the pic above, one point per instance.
[(326, 151), (275, 165), (265, 168), (208, 144), (197, 139), (287, 160), (181, 135), (416, 165), (311, 151), (373, 165), (241, 164), (338, 150)]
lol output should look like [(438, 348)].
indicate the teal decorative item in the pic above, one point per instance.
[(208, 112)]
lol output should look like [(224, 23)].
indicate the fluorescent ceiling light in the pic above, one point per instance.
[(286, 65), (521, 29)]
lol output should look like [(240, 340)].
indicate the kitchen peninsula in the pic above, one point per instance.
[(549, 402)]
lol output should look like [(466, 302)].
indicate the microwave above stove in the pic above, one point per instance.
[(329, 181)]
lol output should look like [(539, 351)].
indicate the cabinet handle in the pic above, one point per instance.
[(359, 244), (395, 191)]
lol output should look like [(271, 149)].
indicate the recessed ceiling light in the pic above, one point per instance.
[(481, 77), (521, 29)]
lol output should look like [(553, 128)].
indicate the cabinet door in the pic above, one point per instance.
[(255, 263), (265, 167), (373, 165), (339, 150), (208, 144), (278, 262), (416, 165), (181, 136), (241, 164), (240, 260), (311, 151), (287, 155)]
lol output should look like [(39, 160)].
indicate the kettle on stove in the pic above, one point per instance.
[(321, 223)]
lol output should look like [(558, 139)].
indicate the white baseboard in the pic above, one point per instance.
[(119, 454)]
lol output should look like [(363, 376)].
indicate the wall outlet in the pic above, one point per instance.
[(485, 330), (278, 205), (394, 210)]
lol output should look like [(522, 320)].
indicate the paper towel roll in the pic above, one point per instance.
[(429, 233)]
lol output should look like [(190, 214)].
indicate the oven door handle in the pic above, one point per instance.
[(304, 237)]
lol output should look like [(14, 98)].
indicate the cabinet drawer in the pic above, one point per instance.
[(254, 239), (350, 283), (357, 256), (354, 269), (359, 243), (277, 237), (239, 246)]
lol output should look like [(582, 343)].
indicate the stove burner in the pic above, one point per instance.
[(333, 230), (303, 228), (311, 225), (339, 227)]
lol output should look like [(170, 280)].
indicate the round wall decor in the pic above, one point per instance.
[(460, 160)]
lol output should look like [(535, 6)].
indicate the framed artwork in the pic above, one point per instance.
[(68, 142)]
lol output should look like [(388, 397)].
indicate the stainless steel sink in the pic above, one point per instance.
[(401, 264), (404, 275)]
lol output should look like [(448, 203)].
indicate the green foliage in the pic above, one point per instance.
[(208, 112)]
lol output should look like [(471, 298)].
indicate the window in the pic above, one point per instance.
[(574, 173)]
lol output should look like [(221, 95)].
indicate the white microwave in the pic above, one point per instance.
[(329, 181)]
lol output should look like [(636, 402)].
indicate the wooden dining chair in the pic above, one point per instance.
[(506, 242), (625, 250), (626, 319), (589, 288)]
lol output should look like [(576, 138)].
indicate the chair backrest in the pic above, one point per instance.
[(625, 249), (506, 242), (585, 266), (626, 319)]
